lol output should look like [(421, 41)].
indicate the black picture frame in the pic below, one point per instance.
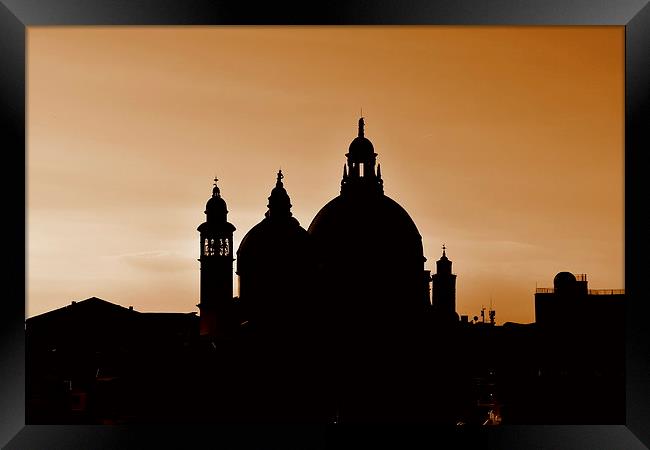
[(17, 15)]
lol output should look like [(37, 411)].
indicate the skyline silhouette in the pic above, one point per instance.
[(336, 323), (519, 189)]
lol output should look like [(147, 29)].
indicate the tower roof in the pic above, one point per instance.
[(216, 205), (444, 254), (216, 212), (279, 201)]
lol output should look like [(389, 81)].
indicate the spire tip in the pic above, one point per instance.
[(216, 192)]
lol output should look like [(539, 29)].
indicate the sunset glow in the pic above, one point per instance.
[(504, 143)]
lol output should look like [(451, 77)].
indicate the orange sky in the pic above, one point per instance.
[(504, 143)]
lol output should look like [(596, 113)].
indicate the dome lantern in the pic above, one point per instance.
[(361, 175)]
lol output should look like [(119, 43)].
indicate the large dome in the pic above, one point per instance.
[(368, 250), (376, 220), (369, 255)]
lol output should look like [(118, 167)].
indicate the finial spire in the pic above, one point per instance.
[(215, 189), (443, 249), (278, 182), (361, 125)]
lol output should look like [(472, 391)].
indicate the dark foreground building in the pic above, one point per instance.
[(93, 361), (339, 322)]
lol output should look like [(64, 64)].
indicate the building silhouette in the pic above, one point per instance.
[(570, 301), (443, 290), (274, 265), (93, 361), (337, 323), (216, 267)]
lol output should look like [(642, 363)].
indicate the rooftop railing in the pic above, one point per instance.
[(606, 291), (590, 291), (544, 290)]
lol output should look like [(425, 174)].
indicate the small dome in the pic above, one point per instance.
[(216, 206), (216, 214), (216, 209), (563, 280), (361, 148)]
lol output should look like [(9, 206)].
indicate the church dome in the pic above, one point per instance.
[(362, 216), (273, 265), (377, 228), (268, 238), (366, 245), (276, 237), (380, 217)]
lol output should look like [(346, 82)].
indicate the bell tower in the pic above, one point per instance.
[(216, 295), (443, 289)]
